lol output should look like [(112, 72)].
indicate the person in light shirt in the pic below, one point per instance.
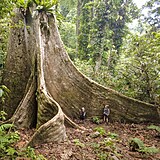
[(106, 113)]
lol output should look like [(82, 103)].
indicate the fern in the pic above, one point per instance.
[(45, 5), (4, 127), (137, 145), (11, 151), (157, 128), (150, 150), (96, 120), (2, 115)]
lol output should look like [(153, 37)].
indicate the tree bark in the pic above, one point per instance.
[(48, 89)]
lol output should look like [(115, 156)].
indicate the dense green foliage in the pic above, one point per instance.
[(5, 14), (102, 28), (4, 30), (67, 28), (137, 72), (8, 149), (134, 71), (8, 140), (107, 147)]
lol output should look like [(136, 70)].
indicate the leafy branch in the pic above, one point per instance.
[(4, 92)]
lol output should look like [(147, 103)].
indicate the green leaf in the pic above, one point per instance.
[(1, 92), (4, 127), (150, 150), (11, 151), (101, 130), (112, 135), (136, 144), (157, 128), (5, 88)]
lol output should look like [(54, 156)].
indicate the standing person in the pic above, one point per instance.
[(83, 114), (106, 113)]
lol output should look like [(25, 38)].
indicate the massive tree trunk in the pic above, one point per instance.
[(47, 87)]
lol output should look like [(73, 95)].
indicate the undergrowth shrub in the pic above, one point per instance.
[(106, 149), (101, 130), (136, 144), (154, 127), (8, 139), (112, 135), (29, 152), (96, 120), (2, 115), (78, 143)]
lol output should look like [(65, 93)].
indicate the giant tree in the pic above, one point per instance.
[(47, 89)]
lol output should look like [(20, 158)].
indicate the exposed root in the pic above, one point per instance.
[(51, 131), (26, 112), (73, 124)]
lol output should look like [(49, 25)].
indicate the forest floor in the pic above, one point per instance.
[(111, 142)]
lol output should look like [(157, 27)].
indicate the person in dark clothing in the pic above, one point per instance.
[(106, 112), (83, 114)]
